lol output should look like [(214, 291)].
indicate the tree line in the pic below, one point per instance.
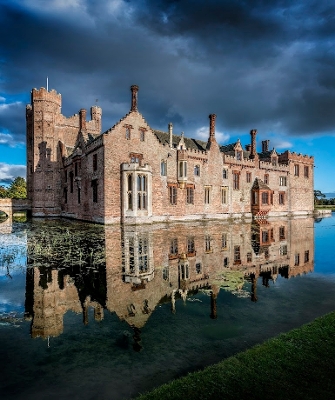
[(16, 190), (320, 199)]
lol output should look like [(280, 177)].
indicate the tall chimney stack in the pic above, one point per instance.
[(253, 134), (82, 119), (211, 127), (170, 134), (134, 91), (265, 145)]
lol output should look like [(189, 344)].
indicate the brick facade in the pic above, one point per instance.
[(134, 174)]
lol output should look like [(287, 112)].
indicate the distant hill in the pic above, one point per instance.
[(330, 195)]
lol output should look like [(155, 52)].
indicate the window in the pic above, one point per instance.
[(225, 174), (281, 232), (274, 161), (296, 170), (283, 250), (130, 191), (135, 157), (254, 198), (163, 168), (208, 244), (143, 264), (198, 268), (190, 195), (165, 273), (142, 135), (94, 185), (248, 177), (282, 198), (197, 170), (76, 169), (65, 195), (224, 195), (225, 262), (296, 259), (249, 257), (266, 179), (142, 192), (265, 236), (265, 198), (306, 256), (282, 181), (127, 133), (306, 172), (78, 195), (65, 176), (236, 181), (239, 155), (173, 194), (190, 246), (237, 254), (182, 169), (174, 247), (207, 195), (224, 242)]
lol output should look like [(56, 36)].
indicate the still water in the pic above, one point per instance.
[(92, 312)]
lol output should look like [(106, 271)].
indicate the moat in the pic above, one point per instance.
[(108, 312)]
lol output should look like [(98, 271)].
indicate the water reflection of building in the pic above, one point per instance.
[(145, 266)]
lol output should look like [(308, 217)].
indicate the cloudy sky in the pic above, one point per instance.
[(268, 65)]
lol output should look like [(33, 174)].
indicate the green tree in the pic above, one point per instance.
[(18, 189), (3, 192), (318, 197)]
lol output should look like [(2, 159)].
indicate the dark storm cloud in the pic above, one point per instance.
[(264, 64)]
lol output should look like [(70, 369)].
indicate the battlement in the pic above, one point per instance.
[(43, 95), (288, 156), (233, 160), (269, 166)]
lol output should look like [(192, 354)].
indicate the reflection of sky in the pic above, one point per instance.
[(13, 253), (325, 246)]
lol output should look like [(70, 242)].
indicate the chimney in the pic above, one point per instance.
[(265, 145), (211, 127), (82, 119), (170, 134), (253, 134), (248, 147), (134, 90)]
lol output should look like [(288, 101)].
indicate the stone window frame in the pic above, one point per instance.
[(236, 180), (282, 235), (173, 251), (306, 171), (224, 194), (173, 197), (163, 168), (237, 254), (224, 241), (296, 259), (207, 194), (208, 244), (282, 181), (296, 170), (142, 191), (136, 158), (225, 173), (197, 170), (306, 256), (266, 179), (248, 177), (281, 198), (189, 194), (190, 244)]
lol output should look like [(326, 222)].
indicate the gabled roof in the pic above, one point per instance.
[(259, 184), (194, 144)]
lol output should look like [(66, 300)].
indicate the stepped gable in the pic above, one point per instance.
[(259, 184), (229, 149), (192, 144)]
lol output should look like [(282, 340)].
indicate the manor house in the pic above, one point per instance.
[(135, 174)]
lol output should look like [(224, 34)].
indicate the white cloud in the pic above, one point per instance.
[(203, 133), (9, 172)]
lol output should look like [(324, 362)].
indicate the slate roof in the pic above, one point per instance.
[(259, 184), (194, 144)]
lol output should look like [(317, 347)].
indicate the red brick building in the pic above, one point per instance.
[(135, 174)]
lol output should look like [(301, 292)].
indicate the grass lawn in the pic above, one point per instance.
[(297, 365)]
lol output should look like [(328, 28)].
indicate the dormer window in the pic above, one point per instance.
[(274, 161), (128, 133), (239, 155)]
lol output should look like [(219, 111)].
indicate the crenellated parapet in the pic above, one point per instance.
[(244, 162), (288, 156), (270, 167)]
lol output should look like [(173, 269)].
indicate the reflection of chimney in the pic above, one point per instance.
[(253, 288), (170, 134), (82, 119), (265, 145), (253, 133), (214, 314), (134, 90)]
